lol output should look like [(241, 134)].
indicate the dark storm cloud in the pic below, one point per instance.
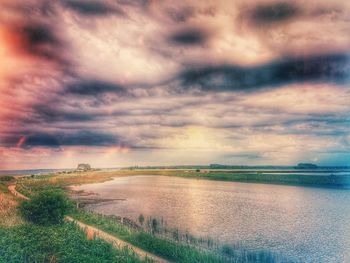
[(274, 12), (331, 68), (88, 138), (40, 40), (92, 8), (39, 34), (189, 36), (48, 113), (40, 140), (27, 140), (56, 140), (93, 88)]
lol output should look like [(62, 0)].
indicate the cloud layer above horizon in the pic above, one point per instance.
[(142, 82)]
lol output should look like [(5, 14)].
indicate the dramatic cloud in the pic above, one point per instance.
[(38, 39), (189, 36), (274, 12), (143, 82), (56, 140), (93, 88), (92, 8), (50, 113), (327, 68)]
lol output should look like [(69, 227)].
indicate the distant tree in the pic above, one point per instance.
[(141, 219), (46, 208)]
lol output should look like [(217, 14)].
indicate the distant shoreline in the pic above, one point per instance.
[(321, 177), (30, 171)]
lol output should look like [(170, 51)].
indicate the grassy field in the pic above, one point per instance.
[(61, 243), (21, 241)]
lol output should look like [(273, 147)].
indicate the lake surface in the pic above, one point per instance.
[(305, 224)]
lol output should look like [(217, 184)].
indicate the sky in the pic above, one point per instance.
[(140, 82)]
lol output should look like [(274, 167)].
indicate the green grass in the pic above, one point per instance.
[(61, 243), (168, 249), (176, 251), (251, 177)]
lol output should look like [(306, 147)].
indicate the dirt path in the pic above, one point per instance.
[(12, 189), (90, 230), (118, 243)]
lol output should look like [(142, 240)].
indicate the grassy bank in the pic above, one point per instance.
[(21, 241), (250, 177), (172, 250), (63, 180), (61, 243)]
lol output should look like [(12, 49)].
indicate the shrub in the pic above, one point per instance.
[(46, 208)]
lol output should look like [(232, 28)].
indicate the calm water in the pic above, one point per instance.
[(307, 224)]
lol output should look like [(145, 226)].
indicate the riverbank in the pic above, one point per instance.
[(21, 241), (95, 233), (327, 178), (284, 177)]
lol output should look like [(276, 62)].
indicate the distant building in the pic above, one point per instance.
[(82, 167), (306, 166)]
